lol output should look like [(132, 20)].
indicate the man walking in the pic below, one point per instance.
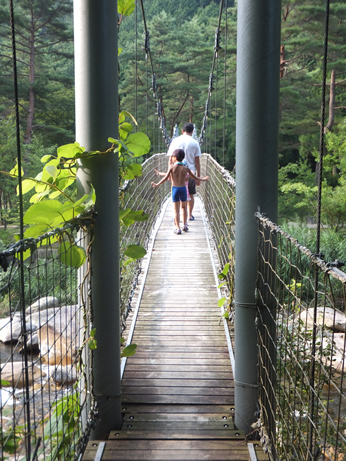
[(192, 156)]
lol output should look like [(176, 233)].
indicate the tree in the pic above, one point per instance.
[(43, 29)]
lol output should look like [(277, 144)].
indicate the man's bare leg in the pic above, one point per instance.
[(191, 204), (176, 208)]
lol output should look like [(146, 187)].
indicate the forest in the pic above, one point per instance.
[(182, 46)]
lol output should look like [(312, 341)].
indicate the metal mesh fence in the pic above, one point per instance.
[(218, 196), (42, 331), (140, 195), (301, 327)]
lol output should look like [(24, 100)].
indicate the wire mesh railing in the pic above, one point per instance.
[(42, 334), (301, 343), (218, 196), (139, 194)]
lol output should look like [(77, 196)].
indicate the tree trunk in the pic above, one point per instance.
[(30, 118), (330, 123), (191, 110)]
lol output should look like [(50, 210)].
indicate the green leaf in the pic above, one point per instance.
[(222, 284), (27, 185), (135, 251), (92, 333), (45, 158), (14, 170), (52, 171), (221, 302), (5, 383), (124, 114), (129, 351), (126, 7), (126, 127), (36, 231), (119, 50), (92, 343), (224, 272), (122, 340), (133, 171), (138, 143), (72, 254), (70, 150), (225, 315), (127, 262)]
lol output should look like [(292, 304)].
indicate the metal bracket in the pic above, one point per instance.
[(100, 450)]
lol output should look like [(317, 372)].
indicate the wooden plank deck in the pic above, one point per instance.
[(178, 390)]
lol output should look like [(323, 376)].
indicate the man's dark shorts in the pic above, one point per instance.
[(192, 186)]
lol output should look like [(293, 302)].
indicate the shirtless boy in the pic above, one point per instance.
[(177, 172)]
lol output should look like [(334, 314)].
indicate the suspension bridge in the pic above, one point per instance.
[(226, 368)]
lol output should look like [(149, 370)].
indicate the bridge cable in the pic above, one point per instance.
[(211, 77), (225, 90), (154, 86), (318, 233), (215, 115), (21, 221)]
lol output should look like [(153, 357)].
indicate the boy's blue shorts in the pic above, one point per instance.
[(179, 194)]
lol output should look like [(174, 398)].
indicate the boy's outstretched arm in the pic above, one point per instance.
[(164, 179), (159, 173), (196, 178)]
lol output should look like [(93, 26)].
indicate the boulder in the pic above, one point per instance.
[(338, 360), (327, 316), (14, 374), (43, 303), (10, 329), (59, 336), (64, 375)]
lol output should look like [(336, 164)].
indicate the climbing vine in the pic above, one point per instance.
[(54, 202)]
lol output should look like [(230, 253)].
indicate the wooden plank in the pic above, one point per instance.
[(208, 375), (179, 399), (169, 409), (172, 434), (196, 417), (175, 390), (135, 366), (164, 359), (154, 381)]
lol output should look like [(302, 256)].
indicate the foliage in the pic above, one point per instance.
[(62, 429)]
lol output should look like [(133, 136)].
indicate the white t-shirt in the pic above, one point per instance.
[(189, 145)]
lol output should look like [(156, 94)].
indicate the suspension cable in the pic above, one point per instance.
[(215, 109), (211, 77), (154, 87), (225, 90), (318, 233), (136, 65), (21, 215)]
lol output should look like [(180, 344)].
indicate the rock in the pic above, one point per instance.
[(59, 336), (10, 329), (44, 303), (338, 361), (59, 318), (327, 316), (64, 375), (14, 374)]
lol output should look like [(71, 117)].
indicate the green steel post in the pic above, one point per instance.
[(257, 115), (96, 71)]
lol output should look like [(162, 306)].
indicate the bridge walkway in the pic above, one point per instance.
[(177, 390)]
